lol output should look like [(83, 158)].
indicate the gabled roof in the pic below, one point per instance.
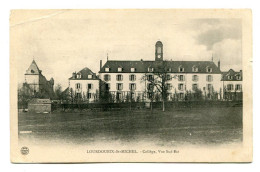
[(33, 69), (233, 74), (142, 66), (84, 75), (40, 101)]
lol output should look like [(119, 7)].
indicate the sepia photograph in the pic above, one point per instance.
[(131, 85)]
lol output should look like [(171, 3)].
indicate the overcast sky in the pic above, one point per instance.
[(64, 41)]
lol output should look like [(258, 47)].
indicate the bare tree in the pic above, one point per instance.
[(158, 82)]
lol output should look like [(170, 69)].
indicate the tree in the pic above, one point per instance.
[(158, 80), (58, 92)]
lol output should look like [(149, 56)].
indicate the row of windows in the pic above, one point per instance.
[(238, 77), (119, 77), (89, 76), (230, 87), (132, 86), (89, 95), (119, 86), (89, 86), (151, 69)]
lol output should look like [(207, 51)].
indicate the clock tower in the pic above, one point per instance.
[(158, 51)]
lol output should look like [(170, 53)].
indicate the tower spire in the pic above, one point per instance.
[(212, 57), (107, 56)]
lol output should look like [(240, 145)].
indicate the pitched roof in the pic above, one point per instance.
[(33, 69), (142, 66), (39, 101), (233, 75), (84, 75)]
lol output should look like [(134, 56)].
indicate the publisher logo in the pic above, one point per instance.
[(24, 150)]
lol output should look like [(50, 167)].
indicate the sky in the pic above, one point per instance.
[(65, 41)]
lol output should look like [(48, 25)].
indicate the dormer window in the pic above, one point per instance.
[(169, 69), (107, 69), (238, 77), (32, 71), (195, 69), (79, 76), (209, 69), (230, 77), (181, 69), (90, 76), (120, 69), (150, 69), (132, 69)]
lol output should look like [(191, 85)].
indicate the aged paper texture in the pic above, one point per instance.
[(126, 85)]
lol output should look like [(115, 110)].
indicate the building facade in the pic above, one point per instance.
[(36, 83), (148, 80), (84, 85), (232, 84)]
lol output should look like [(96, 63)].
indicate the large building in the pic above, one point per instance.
[(36, 83), (137, 78), (84, 85)]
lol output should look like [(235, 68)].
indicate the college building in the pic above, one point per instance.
[(148, 80)]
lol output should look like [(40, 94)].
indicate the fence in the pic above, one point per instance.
[(141, 105)]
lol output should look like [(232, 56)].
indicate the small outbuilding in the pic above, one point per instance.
[(39, 105)]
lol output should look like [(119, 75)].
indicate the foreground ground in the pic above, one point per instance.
[(184, 126)]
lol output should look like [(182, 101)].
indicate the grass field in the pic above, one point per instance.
[(183, 126)]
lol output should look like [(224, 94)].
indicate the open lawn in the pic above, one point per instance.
[(179, 126)]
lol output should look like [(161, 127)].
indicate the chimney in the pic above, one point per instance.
[(74, 75), (219, 64), (100, 64)]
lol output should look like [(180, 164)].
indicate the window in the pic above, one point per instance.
[(180, 87), (89, 95), (209, 87), (119, 77), (150, 87), (230, 77), (107, 77), (78, 85), (169, 70), (132, 77), (195, 69), (238, 77), (169, 86), (32, 71), (90, 76), (195, 78), (150, 77), (78, 75), (119, 86), (132, 86), (90, 86), (107, 86), (120, 69), (230, 87), (107, 69), (209, 78), (168, 77), (209, 69), (181, 96), (194, 87), (132, 69), (78, 95), (181, 69), (181, 78), (150, 69), (238, 87)]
